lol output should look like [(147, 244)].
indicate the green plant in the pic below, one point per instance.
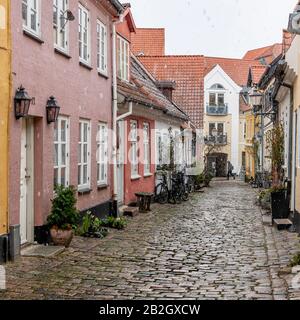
[(64, 214), (115, 223), (275, 146), (278, 188), (91, 227), (295, 260)]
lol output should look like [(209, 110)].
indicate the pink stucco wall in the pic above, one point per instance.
[(144, 184), (80, 92)]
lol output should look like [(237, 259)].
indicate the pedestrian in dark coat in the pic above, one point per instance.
[(230, 171)]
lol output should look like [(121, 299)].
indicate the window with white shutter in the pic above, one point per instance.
[(134, 149), (61, 152), (102, 154), (84, 155), (123, 58), (84, 34), (147, 153), (101, 47), (31, 16), (60, 27)]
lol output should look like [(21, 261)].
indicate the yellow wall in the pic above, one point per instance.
[(250, 133), (5, 95)]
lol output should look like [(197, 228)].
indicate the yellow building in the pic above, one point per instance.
[(5, 96), (250, 144)]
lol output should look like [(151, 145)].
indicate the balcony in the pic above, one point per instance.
[(219, 140), (221, 110)]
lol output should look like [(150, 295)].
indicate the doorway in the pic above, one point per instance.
[(27, 182), (217, 164)]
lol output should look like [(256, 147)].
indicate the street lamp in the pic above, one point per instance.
[(22, 103), (52, 109), (256, 99)]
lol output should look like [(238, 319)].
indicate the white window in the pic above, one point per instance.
[(61, 152), (134, 149), (101, 47), (123, 59), (60, 27), (31, 16), (84, 155), (84, 34), (102, 154), (147, 153)]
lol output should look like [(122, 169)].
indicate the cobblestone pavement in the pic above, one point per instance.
[(217, 246)]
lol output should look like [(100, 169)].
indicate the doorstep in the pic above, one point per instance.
[(283, 224), (41, 251)]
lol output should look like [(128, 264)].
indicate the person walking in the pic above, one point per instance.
[(230, 171)]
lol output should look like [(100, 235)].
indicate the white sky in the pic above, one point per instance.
[(226, 28)]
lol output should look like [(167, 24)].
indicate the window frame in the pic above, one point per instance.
[(134, 162), (27, 27), (147, 148), (59, 143), (102, 142), (102, 48), (81, 11), (61, 4), (123, 58), (81, 163)]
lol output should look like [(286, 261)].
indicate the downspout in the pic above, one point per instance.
[(115, 116)]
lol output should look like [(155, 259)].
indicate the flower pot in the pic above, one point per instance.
[(279, 205), (62, 237)]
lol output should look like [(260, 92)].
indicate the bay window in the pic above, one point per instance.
[(84, 155), (31, 16), (60, 27), (84, 34), (61, 152), (101, 47), (102, 154)]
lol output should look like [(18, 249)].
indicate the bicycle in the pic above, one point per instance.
[(162, 190)]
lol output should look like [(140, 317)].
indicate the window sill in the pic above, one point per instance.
[(85, 65), (148, 175), (33, 36), (133, 178), (62, 53), (103, 75), (82, 192), (102, 186)]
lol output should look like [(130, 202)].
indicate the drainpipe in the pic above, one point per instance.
[(115, 116)]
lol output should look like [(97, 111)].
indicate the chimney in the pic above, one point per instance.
[(167, 88)]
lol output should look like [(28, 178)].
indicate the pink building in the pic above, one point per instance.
[(51, 58)]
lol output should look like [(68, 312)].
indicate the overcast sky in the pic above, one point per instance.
[(225, 28)]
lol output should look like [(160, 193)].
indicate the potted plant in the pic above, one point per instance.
[(279, 197), (64, 216)]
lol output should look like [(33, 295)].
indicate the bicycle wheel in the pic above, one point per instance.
[(185, 195), (163, 195)]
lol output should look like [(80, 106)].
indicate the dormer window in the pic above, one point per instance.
[(217, 87), (123, 59)]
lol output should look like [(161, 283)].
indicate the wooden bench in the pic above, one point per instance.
[(144, 201)]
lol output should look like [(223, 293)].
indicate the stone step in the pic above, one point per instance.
[(283, 224), (130, 211)]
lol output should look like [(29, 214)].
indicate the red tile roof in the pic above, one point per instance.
[(148, 42), (143, 89), (236, 69), (244, 106), (188, 73), (256, 73), (268, 53)]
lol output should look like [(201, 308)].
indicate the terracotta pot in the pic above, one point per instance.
[(62, 237)]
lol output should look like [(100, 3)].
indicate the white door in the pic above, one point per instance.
[(120, 161), (26, 183)]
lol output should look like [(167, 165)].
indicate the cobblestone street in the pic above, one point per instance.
[(217, 246)]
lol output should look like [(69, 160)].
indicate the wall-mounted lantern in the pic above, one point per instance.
[(22, 103), (52, 109)]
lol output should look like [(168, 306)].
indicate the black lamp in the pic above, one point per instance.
[(52, 109), (22, 103)]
